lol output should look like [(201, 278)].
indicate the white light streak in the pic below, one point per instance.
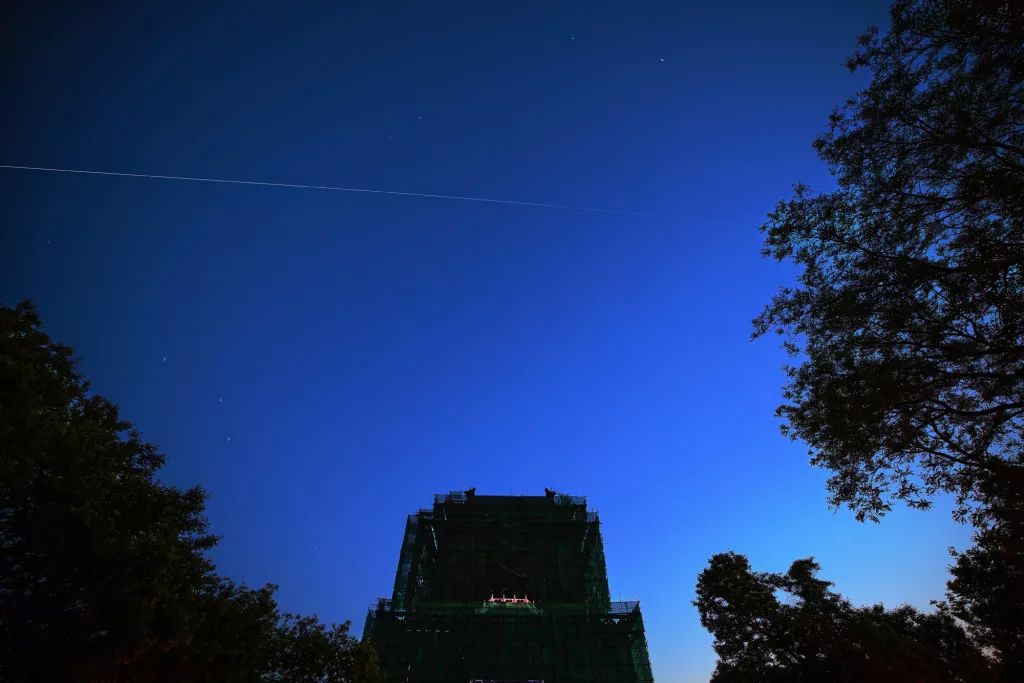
[(332, 188)]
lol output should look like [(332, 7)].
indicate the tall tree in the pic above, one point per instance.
[(103, 571), (815, 634), (908, 320), (100, 566), (987, 588)]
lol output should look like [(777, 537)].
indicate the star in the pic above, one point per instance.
[(220, 400), (164, 359), (229, 439), (663, 59)]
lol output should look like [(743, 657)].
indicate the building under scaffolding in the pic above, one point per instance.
[(506, 589)]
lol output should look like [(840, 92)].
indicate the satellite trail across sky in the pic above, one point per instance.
[(299, 186)]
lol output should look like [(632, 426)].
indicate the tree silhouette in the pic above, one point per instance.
[(907, 325), (793, 627), (987, 588), (103, 572), (908, 321)]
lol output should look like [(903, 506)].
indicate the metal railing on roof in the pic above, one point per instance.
[(562, 499), (623, 607), (450, 497)]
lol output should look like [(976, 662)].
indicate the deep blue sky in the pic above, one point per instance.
[(322, 363)]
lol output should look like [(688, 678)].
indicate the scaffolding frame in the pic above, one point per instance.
[(441, 624)]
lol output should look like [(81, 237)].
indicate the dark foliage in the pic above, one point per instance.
[(987, 588), (814, 634), (908, 321), (103, 573)]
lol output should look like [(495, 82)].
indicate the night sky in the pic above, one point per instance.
[(323, 362)]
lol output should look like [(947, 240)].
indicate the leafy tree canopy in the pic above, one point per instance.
[(908, 319), (794, 627), (103, 571), (987, 588)]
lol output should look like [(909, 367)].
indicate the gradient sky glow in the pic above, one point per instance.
[(322, 363)]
